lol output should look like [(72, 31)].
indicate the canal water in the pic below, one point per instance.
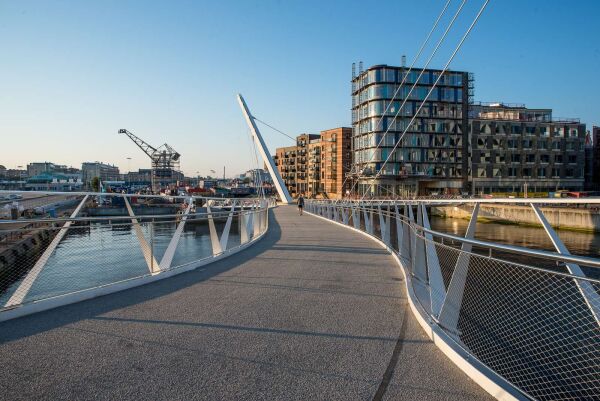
[(99, 254), (578, 243)]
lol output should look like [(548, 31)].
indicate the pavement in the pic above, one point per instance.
[(311, 311)]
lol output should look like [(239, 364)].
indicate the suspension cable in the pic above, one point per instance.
[(275, 129), (404, 79), (432, 88), (435, 50)]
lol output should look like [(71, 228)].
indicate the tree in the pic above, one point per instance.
[(95, 184)]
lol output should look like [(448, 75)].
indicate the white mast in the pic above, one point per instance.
[(264, 152)]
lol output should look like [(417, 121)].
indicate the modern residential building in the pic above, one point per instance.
[(105, 172), (588, 177), (318, 164), (432, 155), (285, 160), (313, 170), (336, 161), (302, 164), (596, 157), (514, 148), (454, 145)]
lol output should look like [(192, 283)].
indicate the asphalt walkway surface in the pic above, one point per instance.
[(311, 311)]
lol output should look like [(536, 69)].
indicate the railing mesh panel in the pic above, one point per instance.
[(528, 322)]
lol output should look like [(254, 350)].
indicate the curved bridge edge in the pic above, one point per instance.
[(486, 378), (90, 293)]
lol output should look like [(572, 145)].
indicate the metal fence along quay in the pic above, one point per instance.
[(528, 319), (109, 242)]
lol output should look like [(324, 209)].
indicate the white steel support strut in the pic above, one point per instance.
[(589, 294), (21, 292), (165, 262), (436, 280), (452, 303), (264, 152), (153, 265)]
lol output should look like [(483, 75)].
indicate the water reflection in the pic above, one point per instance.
[(99, 253), (578, 243)]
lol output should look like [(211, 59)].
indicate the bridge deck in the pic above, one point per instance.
[(312, 311)]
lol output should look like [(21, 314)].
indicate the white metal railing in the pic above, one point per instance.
[(105, 239), (529, 316)]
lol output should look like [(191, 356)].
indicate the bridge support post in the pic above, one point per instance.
[(167, 259), (214, 238), (419, 268), (450, 311), (225, 234), (406, 237), (344, 215), (437, 289), (589, 294), (356, 216), (256, 220), (399, 231), (384, 226), (153, 265), (368, 221)]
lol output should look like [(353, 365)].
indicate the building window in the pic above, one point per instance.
[(485, 129)]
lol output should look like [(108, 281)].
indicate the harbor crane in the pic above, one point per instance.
[(165, 160)]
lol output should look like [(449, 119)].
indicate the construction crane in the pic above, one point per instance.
[(165, 160)]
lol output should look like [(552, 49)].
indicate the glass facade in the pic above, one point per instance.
[(430, 157), (514, 147)]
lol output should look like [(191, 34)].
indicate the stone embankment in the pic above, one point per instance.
[(564, 218)]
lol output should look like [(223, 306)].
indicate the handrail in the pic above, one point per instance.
[(582, 260), (521, 331), (150, 251)]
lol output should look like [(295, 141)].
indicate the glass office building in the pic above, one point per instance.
[(432, 156)]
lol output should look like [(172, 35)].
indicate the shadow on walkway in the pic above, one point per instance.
[(43, 321)]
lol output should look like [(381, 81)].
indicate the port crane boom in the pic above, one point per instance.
[(145, 146), (165, 160)]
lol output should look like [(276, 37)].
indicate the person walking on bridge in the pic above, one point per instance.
[(300, 204)]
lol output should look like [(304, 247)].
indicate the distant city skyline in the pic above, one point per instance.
[(74, 73)]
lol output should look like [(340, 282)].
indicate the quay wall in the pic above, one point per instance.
[(16, 258), (565, 218)]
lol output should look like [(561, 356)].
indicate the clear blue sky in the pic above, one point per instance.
[(73, 72)]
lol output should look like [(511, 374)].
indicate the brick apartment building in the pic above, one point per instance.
[(318, 164)]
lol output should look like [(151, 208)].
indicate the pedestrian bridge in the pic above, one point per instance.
[(353, 300)]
